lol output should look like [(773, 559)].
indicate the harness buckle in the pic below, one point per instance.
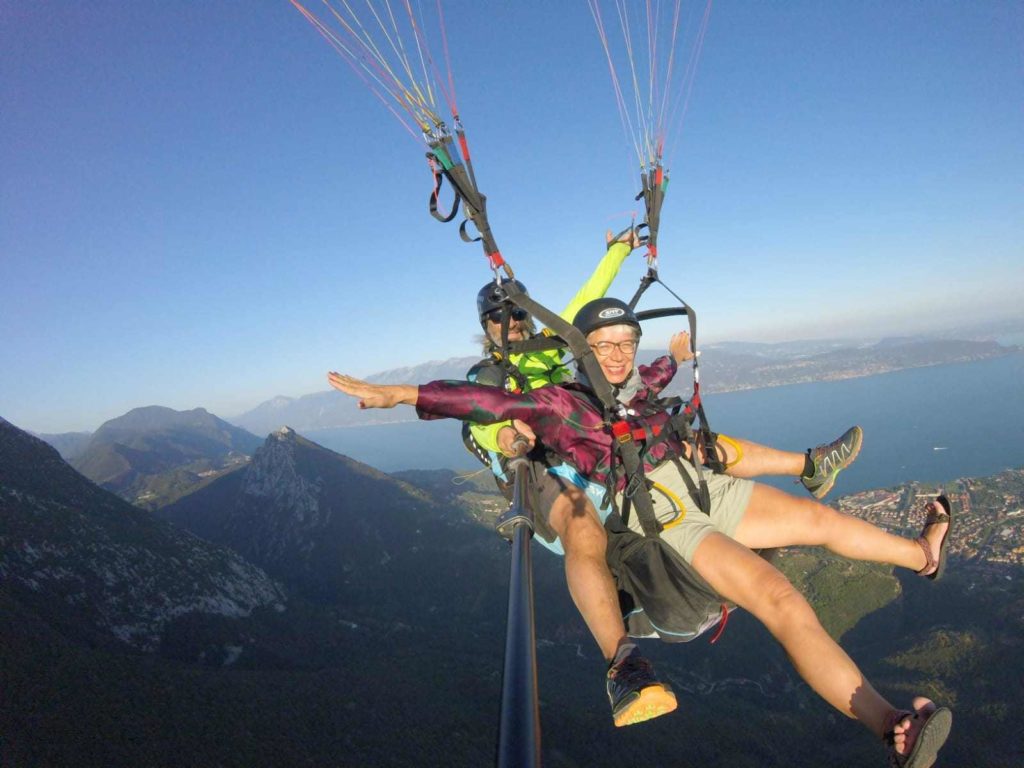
[(621, 431), (632, 486)]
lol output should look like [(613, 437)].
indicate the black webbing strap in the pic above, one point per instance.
[(652, 192), (709, 440), (678, 425), (627, 505), (702, 439), (645, 282), (504, 359), (700, 491), (439, 177), (652, 314), (474, 203), (476, 212), (537, 344), (627, 451), (636, 491), (704, 495)]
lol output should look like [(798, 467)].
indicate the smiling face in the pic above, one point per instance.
[(519, 326), (615, 348), (517, 329)]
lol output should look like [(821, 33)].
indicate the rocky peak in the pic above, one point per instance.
[(319, 520), (279, 473)]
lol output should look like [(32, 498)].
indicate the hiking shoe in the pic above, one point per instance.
[(634, 691), (831, 459)]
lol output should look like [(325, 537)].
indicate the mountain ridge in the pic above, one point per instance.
[(94, 563), (725, 367), (153, 452), (322, 522)]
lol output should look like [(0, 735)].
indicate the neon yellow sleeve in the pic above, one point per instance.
[(486, 435), (600, 281)]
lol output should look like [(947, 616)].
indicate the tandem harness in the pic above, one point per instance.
[(631, 442), (660, 594)]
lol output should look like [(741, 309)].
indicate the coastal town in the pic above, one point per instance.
[(988, 514)]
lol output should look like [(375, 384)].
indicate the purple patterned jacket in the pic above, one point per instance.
[(568, 424)]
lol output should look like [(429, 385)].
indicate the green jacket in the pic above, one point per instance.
[(543, 368)]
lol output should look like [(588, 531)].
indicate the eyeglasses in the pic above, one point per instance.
[(604, 348), (494, 316)]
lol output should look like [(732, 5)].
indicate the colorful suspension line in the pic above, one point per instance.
[(453, 162), (642, 62), (653, 186), (405, 77)]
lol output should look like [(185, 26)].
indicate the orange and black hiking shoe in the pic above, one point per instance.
[(634, 691)]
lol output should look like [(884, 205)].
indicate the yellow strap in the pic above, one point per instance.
[(739, 451), (675, 500)]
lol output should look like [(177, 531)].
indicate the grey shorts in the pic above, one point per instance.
[(677, 505)]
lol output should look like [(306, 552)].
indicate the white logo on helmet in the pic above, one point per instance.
[(608, 314)]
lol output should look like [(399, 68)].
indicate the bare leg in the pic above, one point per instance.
[(776, 519), (755, 585), (591, 585), (743, 458)]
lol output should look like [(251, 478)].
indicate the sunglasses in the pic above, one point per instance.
[(494, 316)]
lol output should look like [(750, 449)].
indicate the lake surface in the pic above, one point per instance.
[(928, 424)]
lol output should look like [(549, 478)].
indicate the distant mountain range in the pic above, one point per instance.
[(728, 368), (725, 367), (394, 599), (68, 444), (154, 454), (332, 409)]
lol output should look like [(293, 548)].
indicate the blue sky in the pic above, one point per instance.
[(201, 205)]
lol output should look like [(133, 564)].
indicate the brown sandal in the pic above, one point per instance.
[(939, 511)]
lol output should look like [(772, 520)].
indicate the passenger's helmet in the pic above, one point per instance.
[(602, 312)]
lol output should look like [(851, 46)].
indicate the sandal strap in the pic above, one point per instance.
[(936, 514), (931, 564), (894, 717)]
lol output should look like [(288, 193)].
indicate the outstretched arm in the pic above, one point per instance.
[(530, 412), (601, 279), (374, 395)]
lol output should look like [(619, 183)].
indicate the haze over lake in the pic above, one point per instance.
[(929, 424)]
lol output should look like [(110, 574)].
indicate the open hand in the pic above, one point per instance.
[(371, 395), (679, 347), (629, 237)]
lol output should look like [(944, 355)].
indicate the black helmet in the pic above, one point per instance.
[(601, 312), (493, 297)]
